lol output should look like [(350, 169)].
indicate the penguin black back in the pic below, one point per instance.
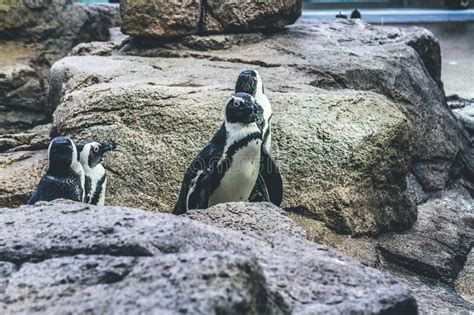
[(64, 177)]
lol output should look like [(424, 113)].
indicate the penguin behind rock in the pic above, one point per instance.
[(65, 175), (341, 15), (227, 168), (269, 186), (249, 81), (90, 157), (356, 14)]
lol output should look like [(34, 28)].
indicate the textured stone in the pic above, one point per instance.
[(402, 64), (159, 18), (37, 34), (262, 220), (433, 297), (439, 241), (20, 173), (465, 281), (234, 16), (22, 92), (168, 19), (73, 257)]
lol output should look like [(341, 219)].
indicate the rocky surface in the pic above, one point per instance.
[(226, 16), (325, 175), (21, 88), (465, 280), (361, 132), (34, 35), (398, 63), (427, 257), (168, 19), (160, 18), (69, 257), (442, 230)]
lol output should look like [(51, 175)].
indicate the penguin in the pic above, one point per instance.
[(356, 14), (341, 15), (269, 185), (90, 157), (227, 168), (65, 176)]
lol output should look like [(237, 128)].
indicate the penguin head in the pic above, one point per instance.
[(62, 154), (242, 108), (91, 152), (249, 81)]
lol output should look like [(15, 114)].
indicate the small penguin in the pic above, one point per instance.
[(341, 15), (356, 14), (90, 157), (227, 168), (65, 175), (269, 186)]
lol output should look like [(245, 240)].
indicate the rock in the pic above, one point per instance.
[(415, 190), (262, 220), (160, 18), (466, 279), (355, 55), (439, 241), (22, 92), (37, 34), (336, 175), (20, 173), (466, 115), (36, 138), (38, 20), (227, 16), (168, 19), (433, 297), (76, 257)]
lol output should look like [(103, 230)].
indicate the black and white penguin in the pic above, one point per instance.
[(269, 186), (90, 157), (227, 168), (65, 175), (356, 14), (341, 15)]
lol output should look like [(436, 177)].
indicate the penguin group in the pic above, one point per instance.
[(236, 165), (74, 172)]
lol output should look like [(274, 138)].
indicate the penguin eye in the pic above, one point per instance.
[(237, 103), (96, 149)]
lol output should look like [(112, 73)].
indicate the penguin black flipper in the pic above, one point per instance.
[(50, 188), (269, 185), (198, 177)]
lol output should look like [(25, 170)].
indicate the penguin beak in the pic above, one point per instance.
[(108, 146)]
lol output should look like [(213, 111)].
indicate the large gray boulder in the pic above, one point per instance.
[(466, 279), (402, 64), (22, 92), (62, 257), (329, 145), (439, 241), (36, 34), (160, 18), (168, 19)]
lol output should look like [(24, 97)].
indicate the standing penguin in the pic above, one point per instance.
[(65, 175), (90, 157), (227, 168), (269, 185)]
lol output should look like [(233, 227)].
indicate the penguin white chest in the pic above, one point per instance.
[(239, 179), (97, 184)]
